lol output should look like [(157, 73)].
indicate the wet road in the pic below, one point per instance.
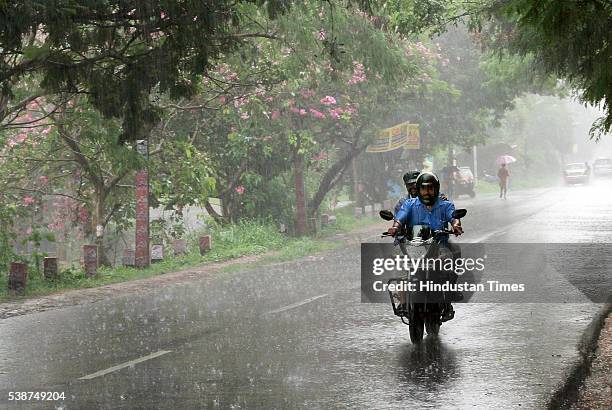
[(295, 335)]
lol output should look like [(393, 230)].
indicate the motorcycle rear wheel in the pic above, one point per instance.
[(415, 327)]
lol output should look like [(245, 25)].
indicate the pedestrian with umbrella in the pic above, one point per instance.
[(503, 174)]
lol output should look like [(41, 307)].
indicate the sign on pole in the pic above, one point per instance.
[(404, 135)]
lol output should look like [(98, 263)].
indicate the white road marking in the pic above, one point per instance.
[(312, 299), (124, 365), (490, 234)]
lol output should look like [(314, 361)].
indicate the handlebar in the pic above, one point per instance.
[(418, 241), (434, 233)]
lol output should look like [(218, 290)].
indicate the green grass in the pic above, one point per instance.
[(229, 242)]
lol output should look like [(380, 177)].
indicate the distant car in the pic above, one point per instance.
[(602, 166), (577, 173), (464, 184)]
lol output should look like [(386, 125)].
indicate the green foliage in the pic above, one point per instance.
[(35, 259), (180, 174), (229, 242), (119, 52), (246, 237), (570, 39), (9, 212), (541, 130)]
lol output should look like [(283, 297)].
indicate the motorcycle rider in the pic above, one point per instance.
[(428, 209), (410, 179)]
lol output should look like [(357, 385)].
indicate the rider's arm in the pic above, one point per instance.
[(401, 217), (455, 223), (398, 206)]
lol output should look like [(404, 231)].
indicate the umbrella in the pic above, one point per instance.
[(505, 159)]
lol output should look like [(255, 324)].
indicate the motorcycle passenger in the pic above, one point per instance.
[(428, 209), (409, 178)]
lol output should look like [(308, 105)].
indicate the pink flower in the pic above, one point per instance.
[(83, 215), (28, 200), (316, 114), (336, 112), (239, 102), (303, 112), (295, 110), (239, 190), (43, 180), (275, 114), (328, 100), (307, 93), (222, 99), (245, 116), (321, 35), (358, 73)]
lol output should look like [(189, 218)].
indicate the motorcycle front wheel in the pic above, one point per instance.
[(415, 328), (432, 325)]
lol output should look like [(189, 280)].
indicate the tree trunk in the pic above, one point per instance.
[(99, 225), (211, 211), (300, 194), (332, 177)]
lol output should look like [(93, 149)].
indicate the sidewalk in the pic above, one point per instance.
[(596, 391)]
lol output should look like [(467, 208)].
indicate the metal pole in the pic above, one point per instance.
[(475, 154)]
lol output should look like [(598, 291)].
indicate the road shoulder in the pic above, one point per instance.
[(155, 283)]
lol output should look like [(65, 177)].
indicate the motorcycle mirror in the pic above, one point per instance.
[(386, 215), (458, 213)]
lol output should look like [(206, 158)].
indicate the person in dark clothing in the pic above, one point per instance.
[(503, 174)]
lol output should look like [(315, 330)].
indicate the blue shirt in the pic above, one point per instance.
[(399, 204), (401, 201), (413, 212)]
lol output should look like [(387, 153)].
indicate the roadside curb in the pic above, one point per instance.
[(566, 393)]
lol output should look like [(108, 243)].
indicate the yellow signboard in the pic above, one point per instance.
[(402, 135), (413, 139)]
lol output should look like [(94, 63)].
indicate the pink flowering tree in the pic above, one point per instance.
[(67, 165), (328, 88)]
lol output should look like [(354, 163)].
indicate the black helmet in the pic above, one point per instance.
[(410, 177), (425, 179)]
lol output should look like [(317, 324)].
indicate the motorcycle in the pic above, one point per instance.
[(424, 310)]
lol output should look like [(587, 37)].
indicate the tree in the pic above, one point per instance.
[(570, 39), (121, 54), (70, 153), (336, 76)]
